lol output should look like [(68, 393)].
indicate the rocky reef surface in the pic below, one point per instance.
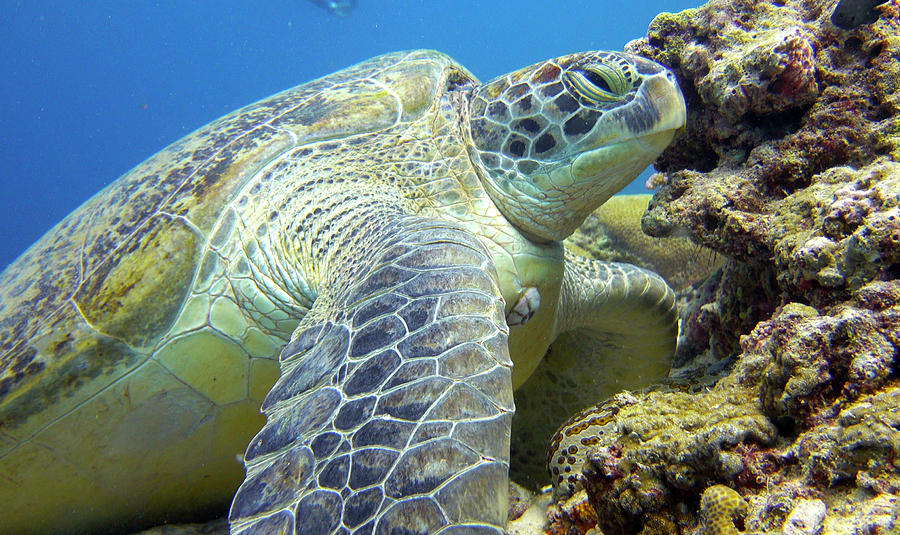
[(790, 168)]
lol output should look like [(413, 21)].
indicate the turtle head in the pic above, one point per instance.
[(555, 140)]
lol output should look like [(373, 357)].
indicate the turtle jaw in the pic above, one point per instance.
[(596, 175), (606, 170), (613, 165)]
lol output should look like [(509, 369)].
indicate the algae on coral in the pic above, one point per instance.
[(790, 167)]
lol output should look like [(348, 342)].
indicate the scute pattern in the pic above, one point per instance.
[(525, 110), (275, 485), (457, 462), (190, 181), (554, 146), (186, 257)]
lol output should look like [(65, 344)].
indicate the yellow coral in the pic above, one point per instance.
[(613, 232), (719, 506)]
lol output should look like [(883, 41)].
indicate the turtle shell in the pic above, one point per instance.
[(95, 299)]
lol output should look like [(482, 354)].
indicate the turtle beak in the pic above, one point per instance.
[(664, 96), (662, 90)]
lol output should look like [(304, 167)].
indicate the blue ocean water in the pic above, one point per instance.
[(90, 89)]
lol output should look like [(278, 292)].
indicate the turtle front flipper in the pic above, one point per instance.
[(629, 308), (394, 404), (617, 326)]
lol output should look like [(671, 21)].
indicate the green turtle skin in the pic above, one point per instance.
[(372, 258)]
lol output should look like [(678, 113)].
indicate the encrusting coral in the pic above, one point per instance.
[(790, 168), (719, 507)]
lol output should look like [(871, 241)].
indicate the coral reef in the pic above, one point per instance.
[(648, 458), (791, 125), (808, 412), (790, 167), (574, 515)]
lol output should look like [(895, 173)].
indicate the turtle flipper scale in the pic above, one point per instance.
[(633, 307), (395, 399)]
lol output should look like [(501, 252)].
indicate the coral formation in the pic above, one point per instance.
[(574, 515), (789, 167), (720, 506), (613, 233), (811, 359), (647, 458), (806, 518), (809, 412)]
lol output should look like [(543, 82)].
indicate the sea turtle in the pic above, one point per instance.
[(380, 241)]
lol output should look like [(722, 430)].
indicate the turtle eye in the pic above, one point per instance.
[(600, 82)]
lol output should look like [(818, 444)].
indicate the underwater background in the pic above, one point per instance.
[(91, 89)]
